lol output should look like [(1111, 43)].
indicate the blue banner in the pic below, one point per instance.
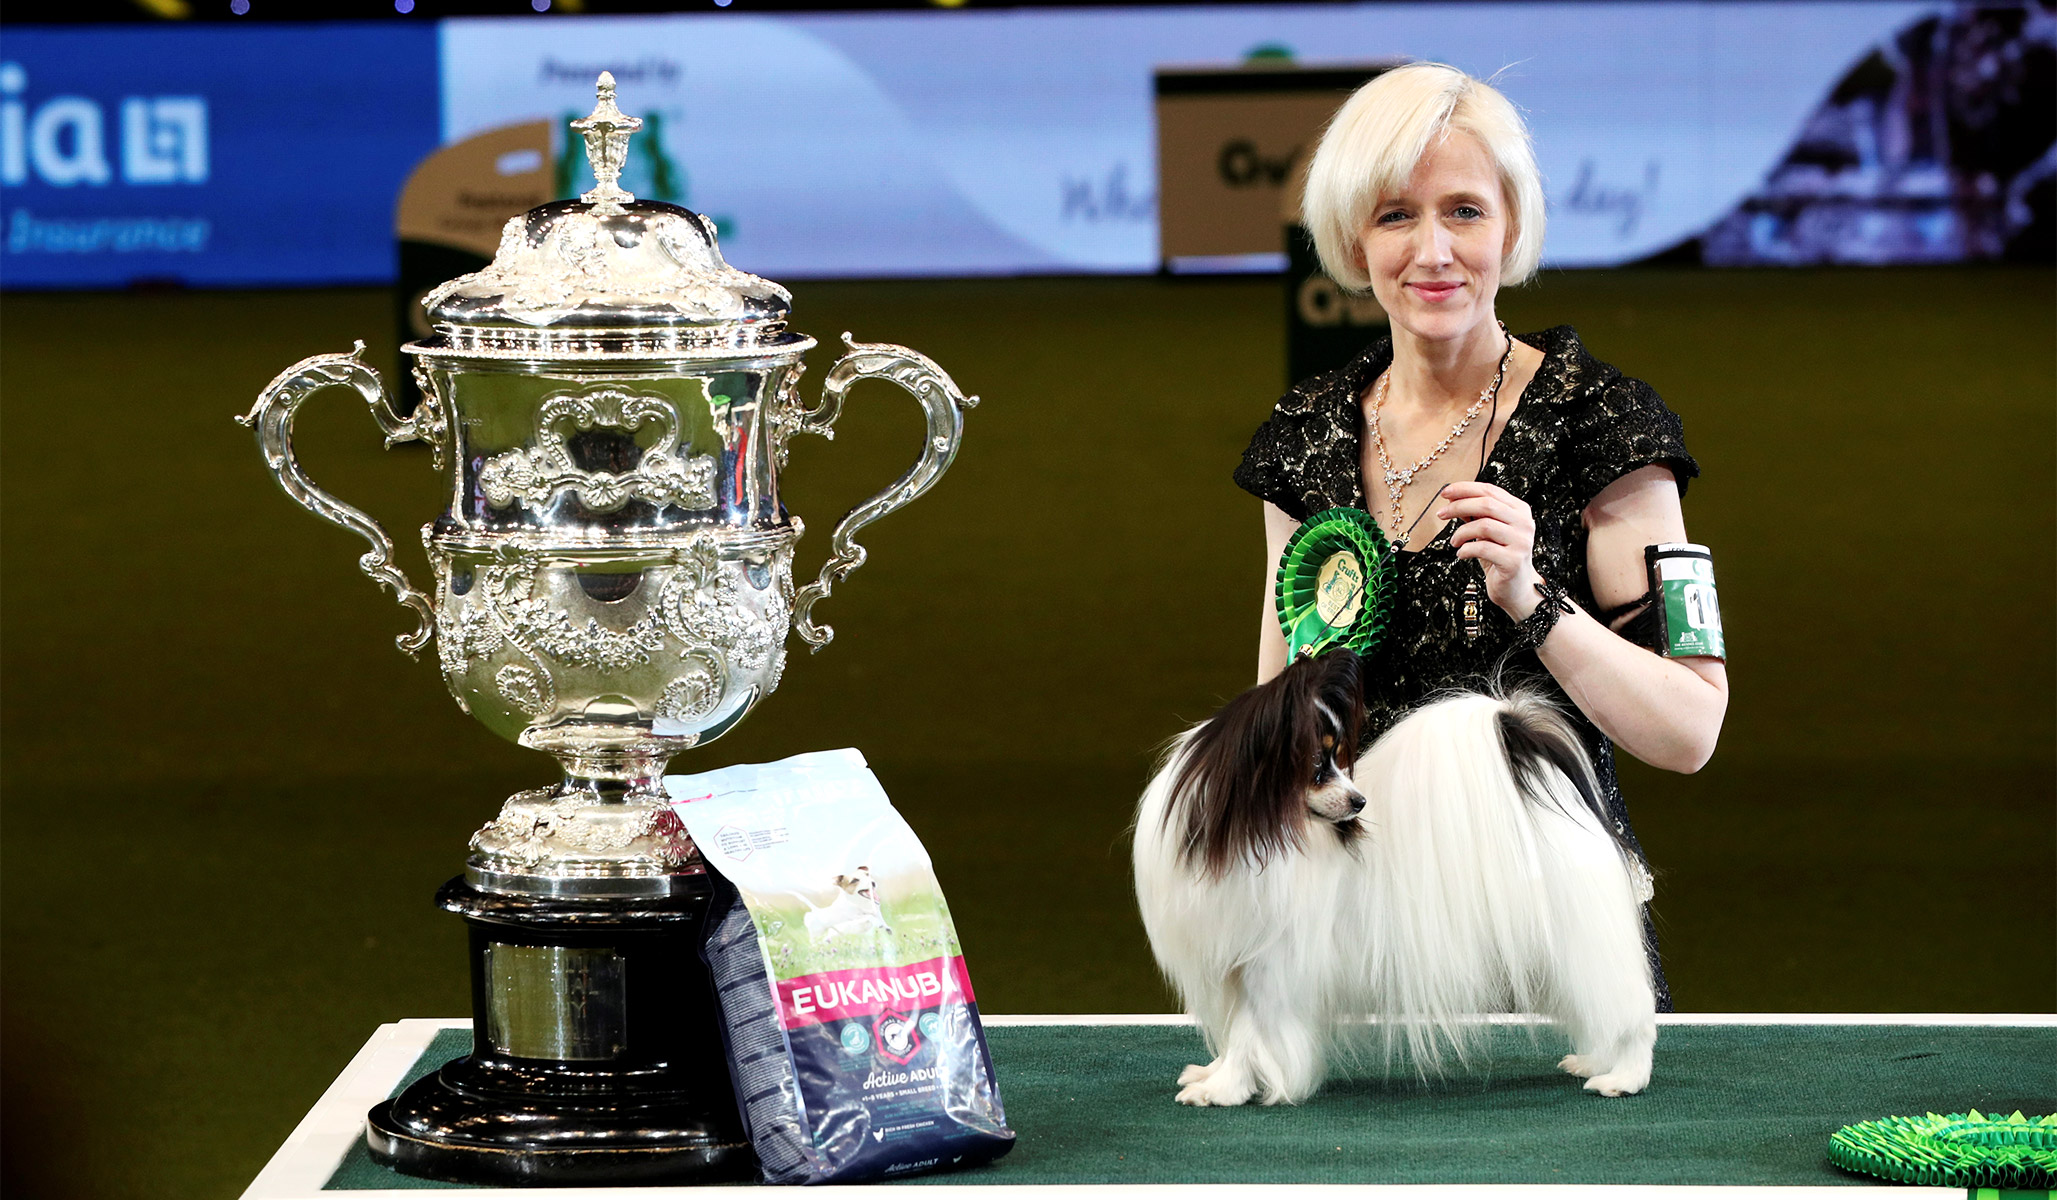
[(209, 155)]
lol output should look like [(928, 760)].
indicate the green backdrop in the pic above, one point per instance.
[(228, 800)]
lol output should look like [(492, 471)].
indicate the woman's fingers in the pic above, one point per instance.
[(1494, 554), (1480, 506), (1465, 489), (1499, 531), (1488, 529), (1491, 502)]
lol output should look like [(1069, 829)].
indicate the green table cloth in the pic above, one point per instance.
[(1729, 1104)]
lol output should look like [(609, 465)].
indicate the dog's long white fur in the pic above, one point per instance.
[(1464, 896)]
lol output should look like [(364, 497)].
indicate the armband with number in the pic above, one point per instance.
[(1683, 597)]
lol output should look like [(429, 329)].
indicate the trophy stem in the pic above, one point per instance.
[(613, 776), (606, 829)]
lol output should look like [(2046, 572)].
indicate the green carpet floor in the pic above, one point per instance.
[(1730, 1104)]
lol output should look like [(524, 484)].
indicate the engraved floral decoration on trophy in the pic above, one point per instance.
[(536, 475), (530, 829), (710, 615), (524, 689), (544, 273), (694, 692), (704, 600)]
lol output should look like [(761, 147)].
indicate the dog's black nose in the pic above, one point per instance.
[(1356, 805)]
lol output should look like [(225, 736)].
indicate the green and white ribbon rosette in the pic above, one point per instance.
[(1335, 583), (1959, 1150)]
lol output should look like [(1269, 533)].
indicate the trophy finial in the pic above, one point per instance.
[(607, 131)]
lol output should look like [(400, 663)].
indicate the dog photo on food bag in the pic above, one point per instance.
[(1307, 904), (855, 909)]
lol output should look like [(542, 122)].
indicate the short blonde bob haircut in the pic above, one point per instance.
[(1376, 139)]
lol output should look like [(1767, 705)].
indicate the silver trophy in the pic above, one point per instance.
[(613, 584)]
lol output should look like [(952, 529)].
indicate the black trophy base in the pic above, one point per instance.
[(464, 1125), (596, 1055)]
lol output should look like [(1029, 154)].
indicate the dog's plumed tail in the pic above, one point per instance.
[(1494, 882)]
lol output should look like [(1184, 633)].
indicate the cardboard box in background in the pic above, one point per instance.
[(1228, 140), (1232, 151)]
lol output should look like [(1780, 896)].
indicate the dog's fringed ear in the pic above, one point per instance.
[(1243, 777), (1342, 694)]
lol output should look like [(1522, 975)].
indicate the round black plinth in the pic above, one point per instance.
[(596, 1055), (441, 1128)]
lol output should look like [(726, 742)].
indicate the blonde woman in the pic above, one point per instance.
[(1519, 477)]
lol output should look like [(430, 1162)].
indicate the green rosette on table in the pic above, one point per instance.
[(1963, 1150), (1335, 583)]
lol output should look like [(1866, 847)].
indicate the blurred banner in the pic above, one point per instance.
[(209, 155), (1016, 141)]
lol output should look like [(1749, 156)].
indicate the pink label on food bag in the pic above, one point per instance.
[(868, 991)]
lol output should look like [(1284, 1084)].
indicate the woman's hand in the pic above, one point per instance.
[(1499, 531)]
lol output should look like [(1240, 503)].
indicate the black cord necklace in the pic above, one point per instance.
[(1484, 439), (1473, 608)]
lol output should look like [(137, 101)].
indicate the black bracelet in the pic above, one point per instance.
[(1533, 628)]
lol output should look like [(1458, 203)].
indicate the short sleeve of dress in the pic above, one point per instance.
[(1269, 467), (1304, 457), (1624, 426)]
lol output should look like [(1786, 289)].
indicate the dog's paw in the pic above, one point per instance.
[(1573, 1064), (1196, 1073), (1214, 1092), (1617, 1083)]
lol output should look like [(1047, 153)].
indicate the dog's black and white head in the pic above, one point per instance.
[(1271, 766)]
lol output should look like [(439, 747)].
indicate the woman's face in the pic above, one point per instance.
[(1433, 249)]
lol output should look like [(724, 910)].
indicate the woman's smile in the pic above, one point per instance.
[(1435, 291)]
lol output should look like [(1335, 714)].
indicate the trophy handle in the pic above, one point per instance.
[(272, 418), (944, 404)]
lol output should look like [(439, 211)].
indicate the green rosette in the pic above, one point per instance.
[(1959, 1150), (1335, 583)]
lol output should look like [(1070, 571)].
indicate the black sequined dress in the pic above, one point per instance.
[(1580, 426)]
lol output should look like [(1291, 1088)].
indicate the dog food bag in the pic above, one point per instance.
[(853, 1038)]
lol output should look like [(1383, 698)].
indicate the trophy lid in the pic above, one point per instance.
[(608, 276)]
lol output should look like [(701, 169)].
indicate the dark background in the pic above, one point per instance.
[(228, 801)]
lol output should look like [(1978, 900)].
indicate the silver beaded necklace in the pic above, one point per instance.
[(1396, 479)]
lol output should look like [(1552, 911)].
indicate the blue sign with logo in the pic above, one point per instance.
[(207, 155)]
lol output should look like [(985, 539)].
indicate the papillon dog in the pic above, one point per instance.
[(1307, 903)]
